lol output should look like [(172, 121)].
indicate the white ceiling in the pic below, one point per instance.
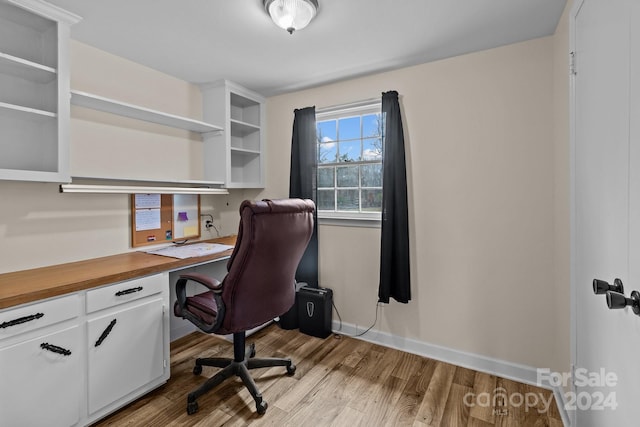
[(206, 40)]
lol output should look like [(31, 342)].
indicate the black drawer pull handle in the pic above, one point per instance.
[(55, 349), (128, 291), (105, 333), (21, 320)]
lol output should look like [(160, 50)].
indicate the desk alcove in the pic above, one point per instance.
[(80, 336)]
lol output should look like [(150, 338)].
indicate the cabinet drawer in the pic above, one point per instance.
[(27, 318), (131, 290)]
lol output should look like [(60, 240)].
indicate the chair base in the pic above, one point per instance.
[(239, 366)]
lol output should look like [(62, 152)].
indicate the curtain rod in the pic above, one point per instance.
[(356, 104)]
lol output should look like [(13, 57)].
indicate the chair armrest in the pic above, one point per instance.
[(209, 282), (181, 286)]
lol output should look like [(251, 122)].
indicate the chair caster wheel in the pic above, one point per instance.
[(197, 370), (261, 407), (192, 408), (291, 369)]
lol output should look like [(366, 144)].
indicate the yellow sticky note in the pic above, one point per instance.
[(191, 231)]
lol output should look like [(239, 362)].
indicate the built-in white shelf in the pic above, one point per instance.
[(237, 155), (25, 69), (245, 151), (20, 110), (34, 99), (155, 181), (242, 129), (107, 105)]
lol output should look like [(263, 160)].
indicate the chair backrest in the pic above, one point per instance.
[(260, 283)]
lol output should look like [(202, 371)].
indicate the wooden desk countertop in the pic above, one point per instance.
[(25, 286)]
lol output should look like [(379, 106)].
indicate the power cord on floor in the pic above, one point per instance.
[(378, 305)]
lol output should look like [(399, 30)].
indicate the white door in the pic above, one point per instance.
[(606, 216)]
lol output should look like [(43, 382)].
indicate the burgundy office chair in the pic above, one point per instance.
[(259, 286)]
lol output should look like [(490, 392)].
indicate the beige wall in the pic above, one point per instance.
[(481, 147)]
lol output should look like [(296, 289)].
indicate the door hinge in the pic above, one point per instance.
[(572, 63)]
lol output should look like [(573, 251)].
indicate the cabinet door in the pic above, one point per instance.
[(40, 386), (126, 352)]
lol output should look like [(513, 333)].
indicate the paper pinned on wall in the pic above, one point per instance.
[(147, 219), (147, 201)]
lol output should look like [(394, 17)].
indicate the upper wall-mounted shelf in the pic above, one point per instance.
[(25, 69), (100, 103)]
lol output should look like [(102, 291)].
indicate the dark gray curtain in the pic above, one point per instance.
[(302, 184), (395, 280)]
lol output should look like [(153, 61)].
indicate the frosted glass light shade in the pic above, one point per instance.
[(291, 15)]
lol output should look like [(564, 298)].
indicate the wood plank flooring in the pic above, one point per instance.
[(339, 381)]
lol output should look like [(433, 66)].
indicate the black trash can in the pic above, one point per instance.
[(315, 310)]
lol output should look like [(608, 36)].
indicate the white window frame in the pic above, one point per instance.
[(351, 219)]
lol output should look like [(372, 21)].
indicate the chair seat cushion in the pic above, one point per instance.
[(201, 305)]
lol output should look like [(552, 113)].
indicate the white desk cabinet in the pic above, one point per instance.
[(74, 359), (41, 364), (126, 346)]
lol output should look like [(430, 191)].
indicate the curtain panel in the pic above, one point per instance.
[(395, 278), (302, 184)]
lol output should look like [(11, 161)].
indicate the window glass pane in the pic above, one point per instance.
[(326, 200), (349, 151), (347, 200), (349, 128), (327, 152), (325, 177), (371, 175), (326, 131), (371, 200), (371, 125), (372, 149), (348, 176)]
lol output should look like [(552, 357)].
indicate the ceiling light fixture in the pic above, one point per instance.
[(291, 15)]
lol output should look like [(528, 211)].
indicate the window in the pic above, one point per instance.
[(350, 162)]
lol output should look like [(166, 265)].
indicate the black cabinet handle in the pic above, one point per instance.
[(128, 291), (21, 320), (55, 349), (105, 333)]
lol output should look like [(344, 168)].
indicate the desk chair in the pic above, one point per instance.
[(259, 286)]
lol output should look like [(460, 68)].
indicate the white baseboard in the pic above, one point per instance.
[(500, 368)]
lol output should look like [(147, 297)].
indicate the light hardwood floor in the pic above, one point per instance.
[(339, 381)]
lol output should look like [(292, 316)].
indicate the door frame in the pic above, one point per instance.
[(575, 9)]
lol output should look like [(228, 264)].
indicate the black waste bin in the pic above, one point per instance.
[(315, 310)]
